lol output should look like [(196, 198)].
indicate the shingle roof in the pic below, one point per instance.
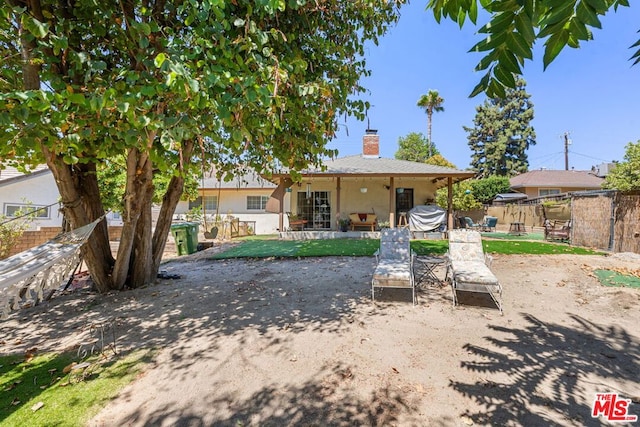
[(359, 165), (556, 178), (245, 181), (10, 174)]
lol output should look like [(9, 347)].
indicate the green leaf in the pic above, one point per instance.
[(509, 62), (579, 30), (553, 46), (519, 46), (481, 86), (504, 76), (35, 27), (77, 98), (524, 26), (558, 14), (587, 15), (600, 6), (159, 59)]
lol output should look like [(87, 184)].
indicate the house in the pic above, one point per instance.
[(37, 191), (244, 198), (542, 183), (362, 184)]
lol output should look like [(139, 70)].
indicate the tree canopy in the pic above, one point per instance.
[(502, 134), (166, 85), (415, 147), (625, 176), (486, 189), (515, 27)]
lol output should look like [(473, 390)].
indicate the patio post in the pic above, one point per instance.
[(449, 203), (392, 204), (337, 200)]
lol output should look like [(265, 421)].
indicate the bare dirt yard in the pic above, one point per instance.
[(275, 342)]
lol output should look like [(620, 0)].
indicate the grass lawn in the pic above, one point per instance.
[(64, 399), (366, 247), (616, 278)]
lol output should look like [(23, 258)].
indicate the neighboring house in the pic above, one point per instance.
[(542, 183), (244, 198), (36, 190), (362, 184)]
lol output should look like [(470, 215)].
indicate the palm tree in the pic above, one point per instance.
[(431, 102)]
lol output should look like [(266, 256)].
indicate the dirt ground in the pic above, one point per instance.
[(275, 342)]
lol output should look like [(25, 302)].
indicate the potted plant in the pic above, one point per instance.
[(343, 224)]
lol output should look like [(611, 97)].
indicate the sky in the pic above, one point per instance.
[(593, 92)]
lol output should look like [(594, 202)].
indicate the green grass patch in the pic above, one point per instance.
[(366, 247), (617, 279), (508, 247), (67, 399), (507, 236), (301, 248)]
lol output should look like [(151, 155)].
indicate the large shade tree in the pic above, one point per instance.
[(502, 134), (163, 85), (431, 102), (515, 27)]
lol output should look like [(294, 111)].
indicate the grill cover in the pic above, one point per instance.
[(427, 218)]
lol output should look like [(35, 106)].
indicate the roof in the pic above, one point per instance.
[(241, 181), (10, 175), (359, 166), (510, 197), (556, 178)]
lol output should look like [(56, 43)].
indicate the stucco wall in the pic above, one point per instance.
[(39, 190), (234, 202)]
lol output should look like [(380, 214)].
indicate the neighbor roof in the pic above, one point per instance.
[(241, 181), (10, 174), (556, 178)]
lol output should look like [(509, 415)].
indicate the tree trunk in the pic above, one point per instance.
[(169, 203), (142, 258)]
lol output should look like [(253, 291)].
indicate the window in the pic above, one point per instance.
[(548, 191), (16, 209), (257, 202), (210, 203)]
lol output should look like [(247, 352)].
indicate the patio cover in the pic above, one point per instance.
[(427, 218)]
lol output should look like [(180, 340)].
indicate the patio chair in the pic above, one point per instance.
[(470, 224), (489, 223), (557, 230), (468, 266), (395, 262)]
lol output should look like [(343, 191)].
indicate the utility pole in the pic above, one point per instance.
[(567, 141)]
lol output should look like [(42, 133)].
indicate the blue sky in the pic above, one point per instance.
[(592, 92)]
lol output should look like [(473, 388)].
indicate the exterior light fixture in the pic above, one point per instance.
[(308, 190), (363, 189)]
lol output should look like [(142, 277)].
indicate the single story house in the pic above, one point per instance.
[(541, 183), (362, 184), (244, 198), (36, 190)]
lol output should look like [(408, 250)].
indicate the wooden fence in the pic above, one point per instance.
[(607, 220)]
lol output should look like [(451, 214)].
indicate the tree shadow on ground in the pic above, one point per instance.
[(547, 374), (329, 399), (263, 295)]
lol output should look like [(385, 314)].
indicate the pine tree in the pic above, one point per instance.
[(502, 134)]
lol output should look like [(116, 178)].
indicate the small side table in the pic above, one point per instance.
[(424, 266), (402, 220), (517, 228)]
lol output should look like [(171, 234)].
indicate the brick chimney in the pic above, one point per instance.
[(371, 144)]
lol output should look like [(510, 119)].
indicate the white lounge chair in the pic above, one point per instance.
[(395, 262), (468, 266)]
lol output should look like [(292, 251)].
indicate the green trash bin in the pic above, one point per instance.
[(185, 235)]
